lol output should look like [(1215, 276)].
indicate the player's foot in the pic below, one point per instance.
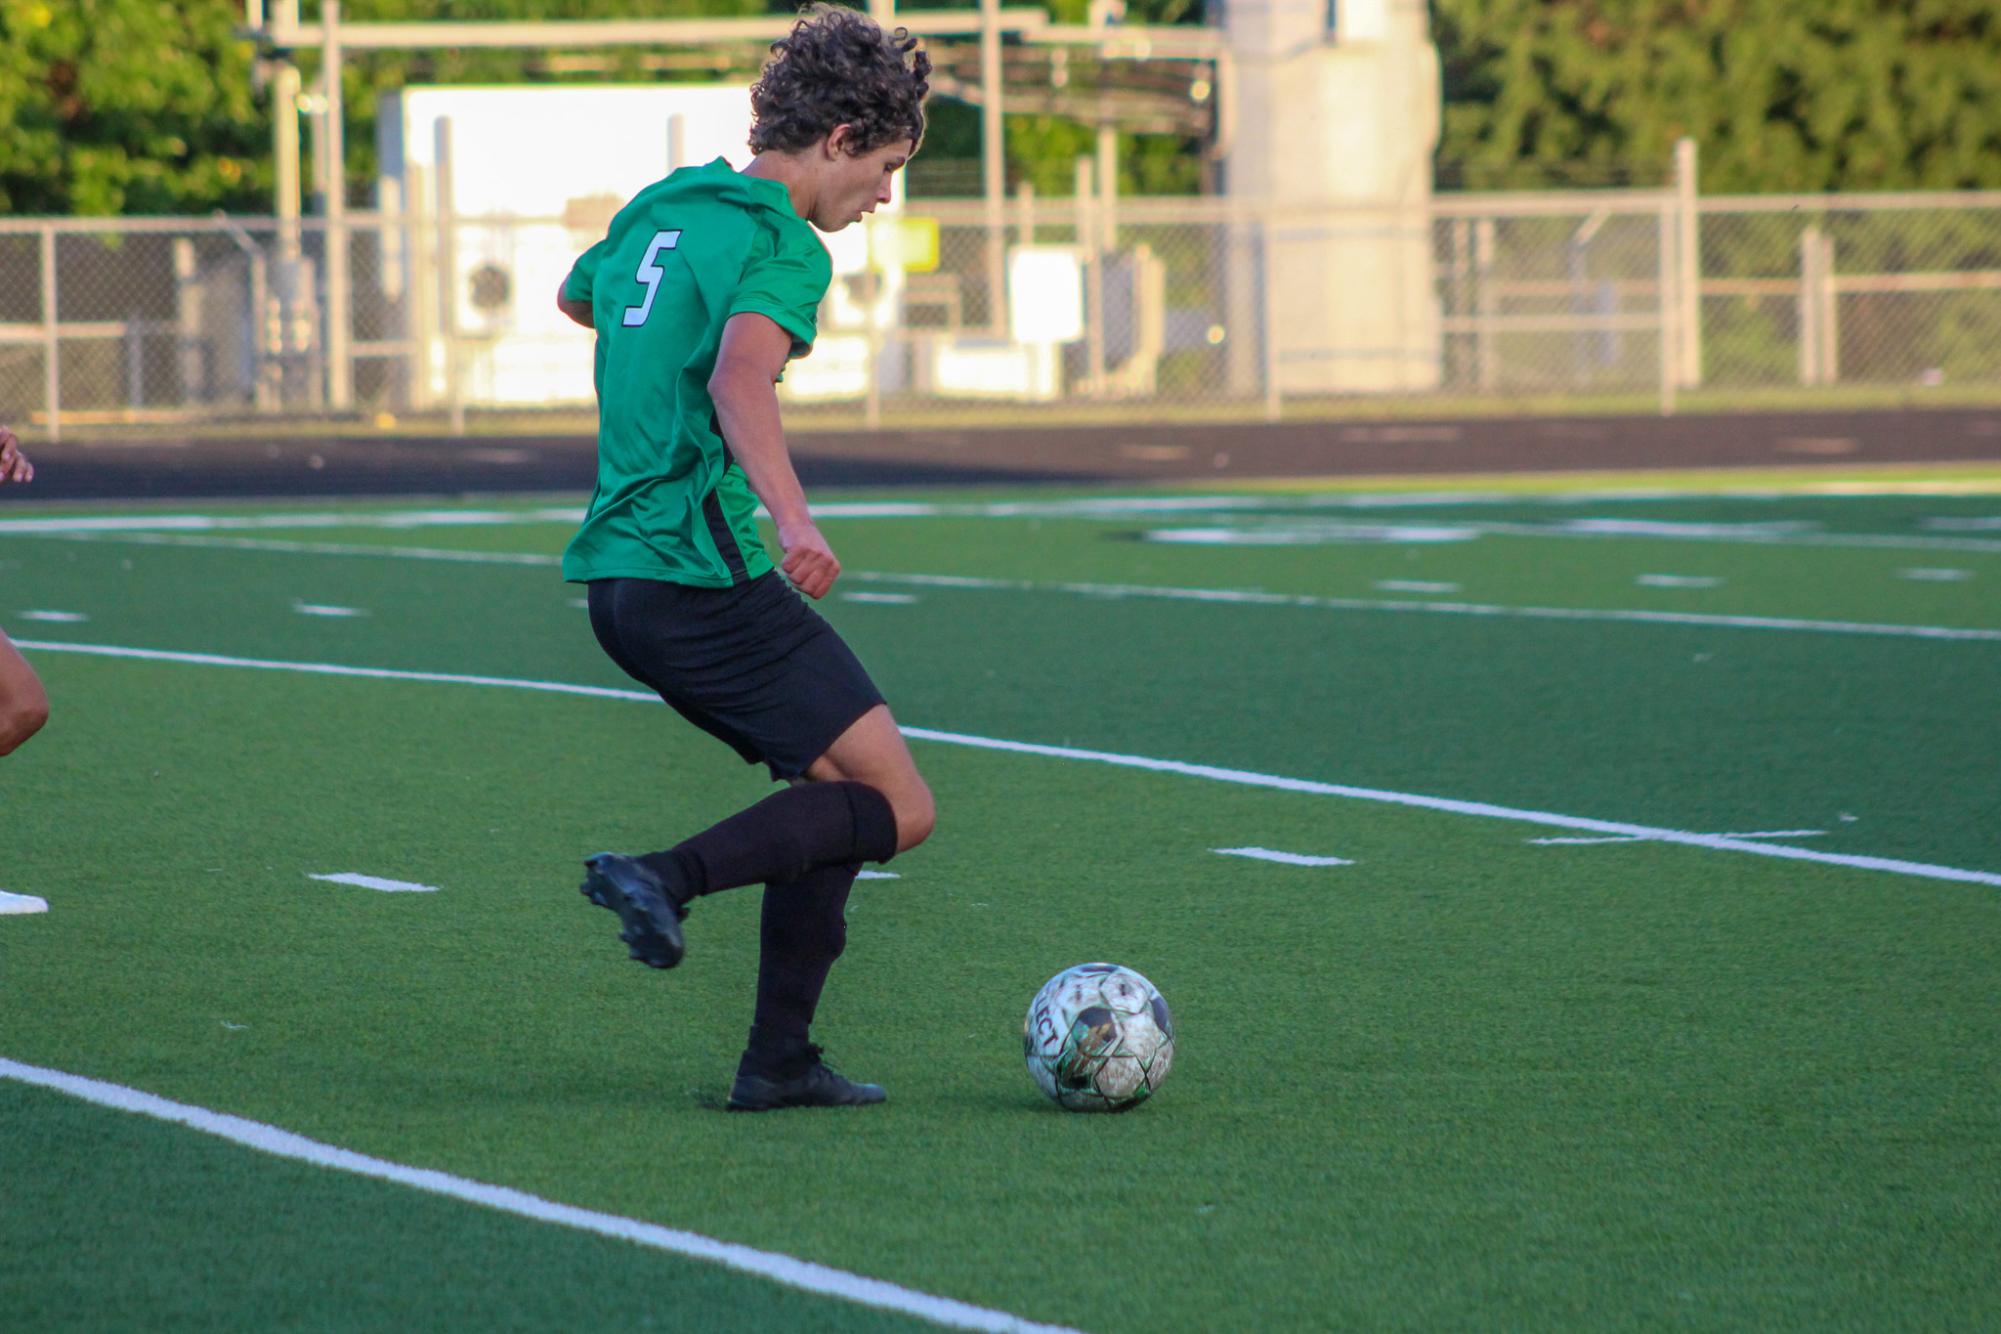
[(810, 1082), (650, 911)]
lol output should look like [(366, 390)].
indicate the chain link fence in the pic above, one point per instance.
[(1547, 296), (1889, 290), (955, 311)]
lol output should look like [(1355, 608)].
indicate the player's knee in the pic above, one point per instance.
[(916, 816), (21, 719)]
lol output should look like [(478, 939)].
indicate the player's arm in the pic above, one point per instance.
[(578, 311), (573, 298), (744, 390)]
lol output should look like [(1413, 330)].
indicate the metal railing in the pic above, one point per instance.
[(1131, 308)]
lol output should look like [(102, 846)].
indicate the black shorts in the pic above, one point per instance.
[(751, 665)]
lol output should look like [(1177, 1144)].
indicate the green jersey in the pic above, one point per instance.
[(686, 254)]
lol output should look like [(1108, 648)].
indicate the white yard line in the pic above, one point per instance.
[(1312, 532), (1307, 530), (1582, 842), (1252, 597), (1751, 535), (320, 548), (1453, 806), (166, 523), (333, 669), (1112, 507), (1212, 773), (1767, 833), (21, 904), (793, 1273), (1222, 595), (1081, 507)]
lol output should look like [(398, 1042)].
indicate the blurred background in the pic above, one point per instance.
[(288, 218)]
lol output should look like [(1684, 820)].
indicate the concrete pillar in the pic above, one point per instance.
[(1335, 127)]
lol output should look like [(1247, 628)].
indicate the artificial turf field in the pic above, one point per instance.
[(1726, 1054)]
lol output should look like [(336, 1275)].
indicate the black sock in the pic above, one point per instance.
[(802, 932), (781, 838)]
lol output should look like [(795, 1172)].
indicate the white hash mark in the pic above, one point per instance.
[(375, 882), (1414, 586), (1283, 858)]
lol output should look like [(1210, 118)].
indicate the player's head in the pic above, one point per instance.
[(846, 97)]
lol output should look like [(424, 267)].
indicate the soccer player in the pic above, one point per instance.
[(24, 705), (707, 284)]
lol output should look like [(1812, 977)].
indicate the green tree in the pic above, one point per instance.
[(1782, 96), (148, 106), (127, 106), (152, 106)]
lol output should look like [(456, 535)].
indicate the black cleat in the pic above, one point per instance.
[(650, 912), (817, 1085)]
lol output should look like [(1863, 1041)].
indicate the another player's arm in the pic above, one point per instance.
[(24, 705), (744, 389), (14, 465)]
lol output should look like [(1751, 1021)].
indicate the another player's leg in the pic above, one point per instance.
[(24, 705)]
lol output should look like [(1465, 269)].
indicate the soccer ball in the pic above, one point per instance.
[(1098, 1038)]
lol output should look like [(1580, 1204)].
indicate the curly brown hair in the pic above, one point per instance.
[(838, 67)]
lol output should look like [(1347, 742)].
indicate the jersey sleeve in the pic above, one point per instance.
[(785, 280), (577, 287)]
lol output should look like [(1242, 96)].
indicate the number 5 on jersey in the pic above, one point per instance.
[(650, 273)]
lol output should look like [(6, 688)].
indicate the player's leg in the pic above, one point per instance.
[(760, 669), (786, 690), (873, 752), (803, 930), (24, 705), (865, 801), (781, 838)]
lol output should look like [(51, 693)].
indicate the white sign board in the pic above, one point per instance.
[(536, 174), (1045, 290)]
